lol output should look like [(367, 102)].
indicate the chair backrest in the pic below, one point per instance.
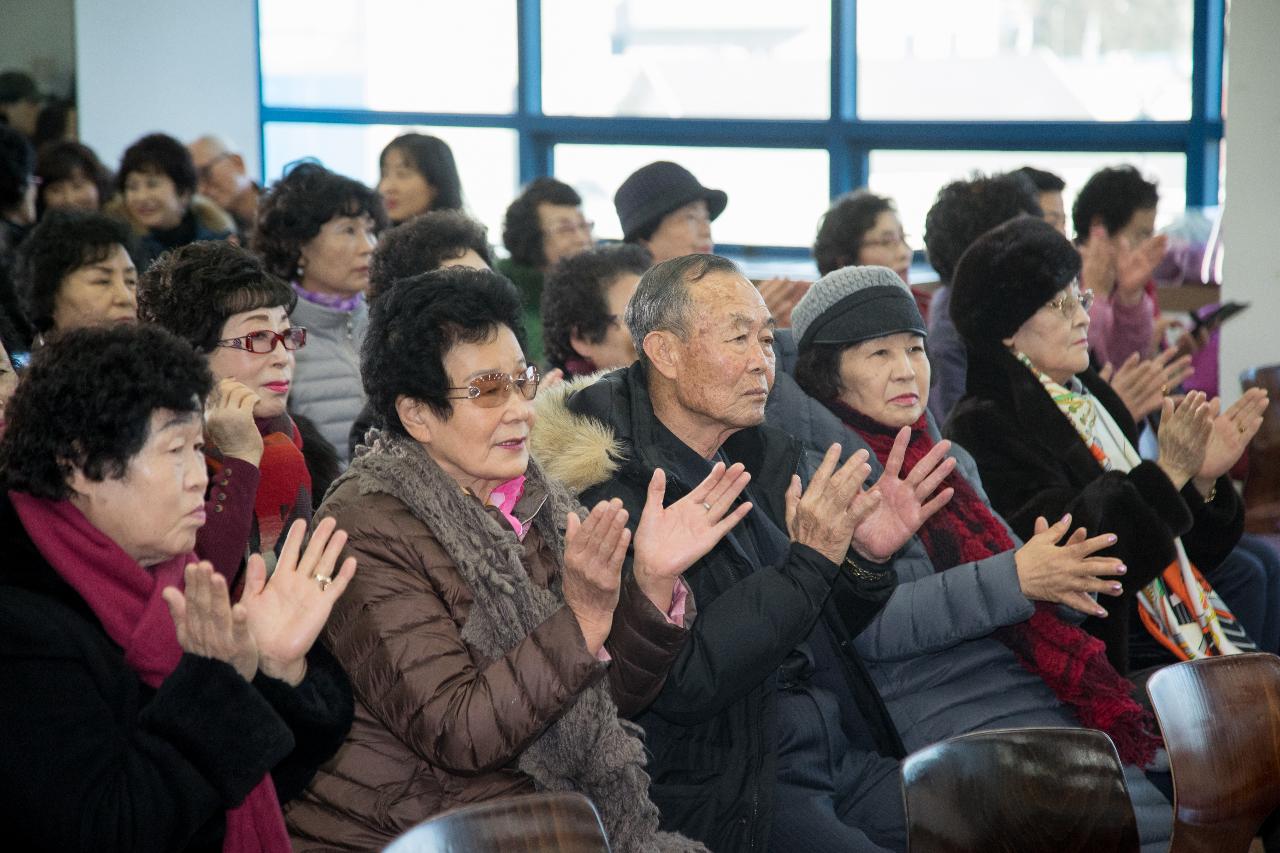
[(567, 823), (1023, 790), (1221, 723)]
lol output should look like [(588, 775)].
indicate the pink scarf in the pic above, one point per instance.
[(126, 599)]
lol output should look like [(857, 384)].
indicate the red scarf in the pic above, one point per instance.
[(126, 599), (284, 486), (1070, 660)]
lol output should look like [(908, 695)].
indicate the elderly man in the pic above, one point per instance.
[(766, 731), (222, 177)]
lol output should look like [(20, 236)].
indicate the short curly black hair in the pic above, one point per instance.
[(299, 204), (965, 210), (86, 403), (193, 290), (1112, 195), (521, 228), (574, 300), (433, 158), (817, 370), (63, 242), (160, 154), (425, 243), (843, 226), (412, 328), (17, 162), (63, 160)]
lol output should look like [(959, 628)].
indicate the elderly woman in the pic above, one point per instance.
[(75, 270), (1050, 437), (582, 307), (142, 710), (417, 174), (221, 300), (71, 178), (863, 229), (157, 182), (542, 227), (970, 638), (485, 609), (317, 229)]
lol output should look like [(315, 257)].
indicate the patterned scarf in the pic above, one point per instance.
[(284, 487), (126, 599), (1179, 609), (1071, 661)]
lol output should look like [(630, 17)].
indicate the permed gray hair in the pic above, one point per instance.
[(661, 301)]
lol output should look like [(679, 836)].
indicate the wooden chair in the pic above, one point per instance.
[(1019, 791), (1221, 723), (533, 823), (1262, 483)]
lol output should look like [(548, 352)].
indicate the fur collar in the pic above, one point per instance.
[(577, 450)]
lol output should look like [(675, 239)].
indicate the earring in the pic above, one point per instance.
[(300, 271)]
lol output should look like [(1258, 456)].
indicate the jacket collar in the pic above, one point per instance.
[(997, 377)]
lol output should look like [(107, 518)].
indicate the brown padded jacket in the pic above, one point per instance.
[(436, 725)]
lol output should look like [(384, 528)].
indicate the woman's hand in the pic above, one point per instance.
[(593, 553), (1066, 574), (1184, 437), (1143, 384), (670, 539), (1135, 266), (905, 503), (825, 515), (287, 612), (207, 623), (1231, 434), (229, 422)]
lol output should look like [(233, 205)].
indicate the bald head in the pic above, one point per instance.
[(221, 174)]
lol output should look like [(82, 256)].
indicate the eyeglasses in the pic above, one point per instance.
[(263, 342), (1067, 305), (490, 390), (570, 229), (888, 242)]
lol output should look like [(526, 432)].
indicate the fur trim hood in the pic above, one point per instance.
[(578, 450)]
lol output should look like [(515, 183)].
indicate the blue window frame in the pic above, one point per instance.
[(847, 140)]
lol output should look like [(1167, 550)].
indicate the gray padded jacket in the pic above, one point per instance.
[(326, 382)]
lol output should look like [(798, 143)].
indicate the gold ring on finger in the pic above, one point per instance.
[(706, 506), (323, 580), (1164, 390)]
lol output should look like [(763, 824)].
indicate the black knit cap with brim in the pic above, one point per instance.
[(653, 191), (855, 304), (1006, 276)]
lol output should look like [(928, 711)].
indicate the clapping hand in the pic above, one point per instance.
[(287, 612), (905, 503), (824, 515), (1185, 428), (1068, 573), (670, 539), (207, 623), (1142, 384), (593, 554), (1232, 432)]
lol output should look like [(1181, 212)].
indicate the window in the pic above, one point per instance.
[(389, 54), (1024, 59), (742, 94), (676, 59)]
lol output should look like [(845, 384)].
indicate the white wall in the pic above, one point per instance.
[(1251, 218), (184, 67), (37, 37)]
